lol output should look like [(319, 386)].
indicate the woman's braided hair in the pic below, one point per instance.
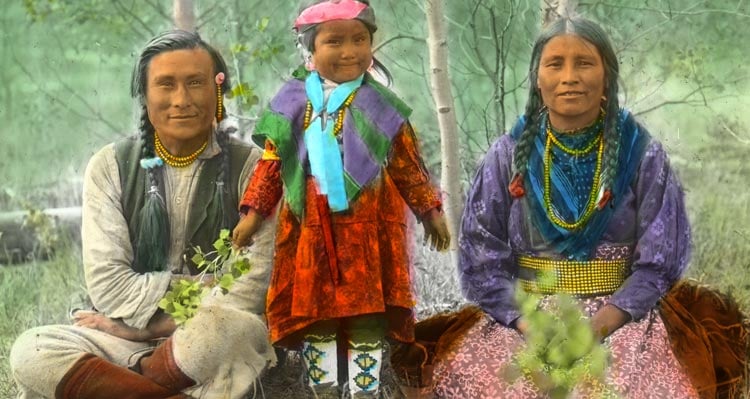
[(535, 109), (151, 245)]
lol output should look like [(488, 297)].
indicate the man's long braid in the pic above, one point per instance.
[(222, 191), (152, 236), (147, 132)]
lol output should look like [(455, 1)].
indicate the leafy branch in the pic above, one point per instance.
[(226, 264), (561, 350)]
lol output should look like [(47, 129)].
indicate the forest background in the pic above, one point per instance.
[(64, 93)]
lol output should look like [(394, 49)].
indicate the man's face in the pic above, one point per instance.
[(181, 97)]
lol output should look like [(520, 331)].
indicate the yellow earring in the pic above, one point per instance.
[(219, 103), (219, 98)]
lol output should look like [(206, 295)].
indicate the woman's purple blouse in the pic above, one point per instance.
[(650, 220)]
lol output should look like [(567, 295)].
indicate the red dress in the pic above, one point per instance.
[(371, 270)]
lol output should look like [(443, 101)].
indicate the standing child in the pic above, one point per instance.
[(342, 148)]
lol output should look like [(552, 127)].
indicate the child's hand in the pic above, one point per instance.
[(436, 230), (243, 233)]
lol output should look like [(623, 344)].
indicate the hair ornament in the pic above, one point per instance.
[(329, 11), (151, 163), (604, 197), (309, 64), (516, 188)]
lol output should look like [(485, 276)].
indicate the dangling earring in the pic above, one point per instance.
[(309, 63), (219, 96)]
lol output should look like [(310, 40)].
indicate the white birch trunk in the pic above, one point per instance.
[(554, 9), (183, 13), (446, 114)]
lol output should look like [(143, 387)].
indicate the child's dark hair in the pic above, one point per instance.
[(151, 245), (306, 34), (594, 34)]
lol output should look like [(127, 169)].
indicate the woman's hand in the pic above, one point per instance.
[(607, 320), (436, 230), (242, 235), (520, 325)]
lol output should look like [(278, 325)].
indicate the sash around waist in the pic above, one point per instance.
[(578, 278)]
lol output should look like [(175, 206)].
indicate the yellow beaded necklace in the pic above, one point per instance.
[(591, 205), (173, 161), (339, 114)]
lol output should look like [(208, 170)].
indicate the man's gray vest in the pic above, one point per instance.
[(204, 221)]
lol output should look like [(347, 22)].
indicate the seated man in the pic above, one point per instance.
[(147, 201)]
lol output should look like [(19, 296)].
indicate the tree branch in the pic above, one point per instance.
[(157, 6), (94, 112), (398, 37), (685, 100), (135, 17), (671, 12), (206, 16), (731, 131)]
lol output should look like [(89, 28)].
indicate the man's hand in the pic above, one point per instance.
[(161, 325), (243, 233), (97, 321), (436, 230)]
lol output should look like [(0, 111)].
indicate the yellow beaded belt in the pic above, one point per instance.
[(580, 278)]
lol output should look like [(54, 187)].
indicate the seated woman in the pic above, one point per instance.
[(580, 187)]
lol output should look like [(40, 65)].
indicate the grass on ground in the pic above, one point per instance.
[(41, 292)]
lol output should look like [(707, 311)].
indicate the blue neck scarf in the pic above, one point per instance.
[(571, 183), (326, 164)]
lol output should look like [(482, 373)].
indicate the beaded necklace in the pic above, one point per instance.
[(338, 116), (591, 205), (174, 161)]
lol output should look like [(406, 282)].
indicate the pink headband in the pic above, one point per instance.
[(329, 11)]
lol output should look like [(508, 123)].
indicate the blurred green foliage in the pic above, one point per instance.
[(64, 93), (561, 351), (64, 90)]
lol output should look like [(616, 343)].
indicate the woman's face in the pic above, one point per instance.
[(571, 81), (181, 97), (343, 50)]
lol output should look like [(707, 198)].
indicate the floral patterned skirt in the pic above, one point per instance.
[(642, 363)]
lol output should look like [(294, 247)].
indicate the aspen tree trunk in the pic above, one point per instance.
[(554, 9), (446, 113), (183, 13)]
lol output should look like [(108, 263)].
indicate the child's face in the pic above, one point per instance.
[(343, 50)]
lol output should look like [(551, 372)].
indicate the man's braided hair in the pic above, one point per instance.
[(151, 245)]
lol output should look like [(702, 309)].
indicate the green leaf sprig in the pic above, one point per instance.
[(561, 350), (226, 264)]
